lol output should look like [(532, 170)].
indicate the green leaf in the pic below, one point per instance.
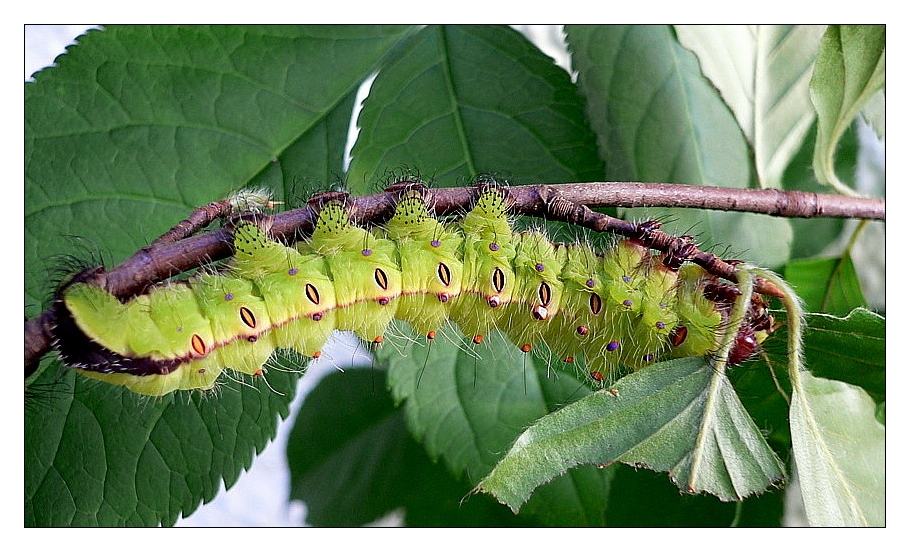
[(642, 498), (467, 410), (355, 464), (658, 119), (813, 236), (839, 449), (344, 460), (849, 349), (874, 113), (849, 70), (579, 498), (134, 128), (457, 101), (680, 417), (762, 72), (99, 455), (466, 407), (826, 285)]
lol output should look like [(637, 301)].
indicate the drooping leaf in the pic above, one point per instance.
[(680, 417), (874, 113), (849, 70), (812, 236), (762, 72), (839, 449)]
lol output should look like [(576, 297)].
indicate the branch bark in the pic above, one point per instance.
[(180, 249)]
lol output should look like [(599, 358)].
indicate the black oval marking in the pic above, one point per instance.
[(381, 279), (312, 294), (596, 303), (247, 316), (445, 275), (545, 294), (499, 280)]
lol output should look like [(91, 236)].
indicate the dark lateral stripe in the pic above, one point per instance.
[(78, 350)]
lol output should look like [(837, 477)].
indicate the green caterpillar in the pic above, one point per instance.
[(622, 309)]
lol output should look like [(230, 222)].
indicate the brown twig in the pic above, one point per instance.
[(778, 203), (178, 251)]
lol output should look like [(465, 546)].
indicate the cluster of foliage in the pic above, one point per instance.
[(136, 126)]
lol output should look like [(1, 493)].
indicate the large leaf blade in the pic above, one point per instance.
[(133, 128), (849, 70), (763, 73), (839, 449), (658, 119), (96, 454), (458, 101), (826, 285), (850, 349), (648, 420), (136, 126)]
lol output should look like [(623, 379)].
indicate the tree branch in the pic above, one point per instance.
[(178, 250), (778, 203)]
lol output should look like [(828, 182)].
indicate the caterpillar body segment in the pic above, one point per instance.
[(295, 285), (365, 268), (616, 310), (538, 294), (430, 258), (488, 254)]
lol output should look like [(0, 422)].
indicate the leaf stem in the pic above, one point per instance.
[(740, 309)]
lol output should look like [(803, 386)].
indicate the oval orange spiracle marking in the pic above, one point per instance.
[(445, 275), (247, 316), (312, 293), (544, 294), (499, 280), (198, 344), (381, 278)]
